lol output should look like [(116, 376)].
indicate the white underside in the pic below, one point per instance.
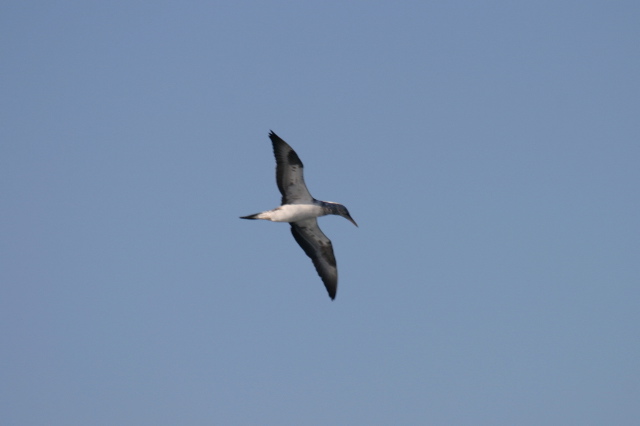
[(292, 213)]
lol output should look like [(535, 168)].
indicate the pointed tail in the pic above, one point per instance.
[(251, 216)]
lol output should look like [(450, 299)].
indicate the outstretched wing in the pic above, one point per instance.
[(289, 173), (319, 248)]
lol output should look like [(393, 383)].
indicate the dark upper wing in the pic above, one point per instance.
[(318, 247), (289, 173)]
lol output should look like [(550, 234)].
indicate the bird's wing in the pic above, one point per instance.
[(289, 173), (319, 248)]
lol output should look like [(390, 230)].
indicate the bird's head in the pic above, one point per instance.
[(341, 210)]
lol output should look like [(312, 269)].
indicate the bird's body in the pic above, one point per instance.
[(301, 210), (290, 213)]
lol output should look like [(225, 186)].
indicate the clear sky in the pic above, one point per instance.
[(489, 151)]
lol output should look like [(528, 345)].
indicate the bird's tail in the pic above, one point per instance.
[(251, 216)]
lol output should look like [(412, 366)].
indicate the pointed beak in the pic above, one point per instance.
[(350, 219)]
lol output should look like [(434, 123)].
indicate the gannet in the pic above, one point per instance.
[(301, 210)]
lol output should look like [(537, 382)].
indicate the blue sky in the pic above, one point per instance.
[(489, 152)]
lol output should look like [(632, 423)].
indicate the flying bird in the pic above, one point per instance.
[(301, 210)]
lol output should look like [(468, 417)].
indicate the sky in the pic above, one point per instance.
[(488, 150)]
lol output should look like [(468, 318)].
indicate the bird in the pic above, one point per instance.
[(301, 211)]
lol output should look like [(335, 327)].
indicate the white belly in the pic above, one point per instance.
[(295, 212)]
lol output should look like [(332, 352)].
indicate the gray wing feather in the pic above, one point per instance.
[(318, 247), (289, 173)]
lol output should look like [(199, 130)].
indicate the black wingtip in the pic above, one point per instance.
[(275, 138), (251, 216), (332, 292)]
